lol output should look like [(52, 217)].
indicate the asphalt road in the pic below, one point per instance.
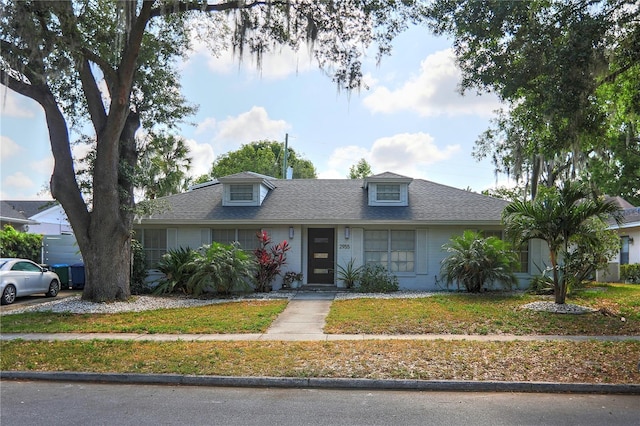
[(56, 403)]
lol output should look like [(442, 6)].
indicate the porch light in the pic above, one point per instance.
[(347, 232), (291, 232)]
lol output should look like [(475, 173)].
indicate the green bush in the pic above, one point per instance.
[(220, 268), (376, 279), (630, 273), (477, 262), (540, 284), (349, 274), (20, 244), (176, 265)]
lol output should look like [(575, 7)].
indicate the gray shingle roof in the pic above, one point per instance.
[(344, 201), (24, 209)]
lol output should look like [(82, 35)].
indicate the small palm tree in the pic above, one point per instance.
[(475, 261), (558, 216)]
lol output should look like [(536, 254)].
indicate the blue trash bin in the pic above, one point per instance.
[(77, 276), (62, 269)]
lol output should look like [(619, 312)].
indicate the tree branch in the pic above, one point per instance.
[(181, 7)]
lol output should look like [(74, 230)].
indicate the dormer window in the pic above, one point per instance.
[(245, 189), (388, 189), (387, 192), (240, 192)]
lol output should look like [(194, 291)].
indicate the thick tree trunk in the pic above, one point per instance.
[(108, 255)]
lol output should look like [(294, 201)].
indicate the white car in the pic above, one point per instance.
[(22, 277)]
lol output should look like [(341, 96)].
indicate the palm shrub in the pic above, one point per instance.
[(177, 266), (349, 273), (269, 261), (374, 278), (220, 268), (474, 262)]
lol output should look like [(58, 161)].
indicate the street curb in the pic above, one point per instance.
[(325, 383)]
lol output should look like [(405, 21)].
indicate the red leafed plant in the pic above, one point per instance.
[(269, 260)]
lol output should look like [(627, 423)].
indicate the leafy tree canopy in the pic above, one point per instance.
[(264, 157), (551, 63), (360, 170)]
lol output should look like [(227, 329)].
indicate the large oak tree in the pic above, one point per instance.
[(99, 60)]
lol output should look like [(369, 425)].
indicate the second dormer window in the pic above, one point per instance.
[(241, 192), (388, 192)]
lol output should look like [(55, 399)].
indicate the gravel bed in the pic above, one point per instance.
[(566, 308), (394, 295)]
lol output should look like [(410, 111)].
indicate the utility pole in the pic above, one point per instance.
[(286, 154)]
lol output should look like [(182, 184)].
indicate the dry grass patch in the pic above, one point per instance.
[(489, 313), (569, 362)]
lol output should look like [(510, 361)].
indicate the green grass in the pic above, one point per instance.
[(224, 318), (584, 362), (489, 313)]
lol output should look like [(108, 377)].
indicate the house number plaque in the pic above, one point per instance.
[(345, 246)]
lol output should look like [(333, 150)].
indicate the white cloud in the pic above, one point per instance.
[(409, 154), (9, 148), (201, 157), (433, 92), (247, 127), (17, 181), (208, 124), (14, 105), (44, 166)]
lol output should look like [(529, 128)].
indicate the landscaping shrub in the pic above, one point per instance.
[(475, 262), (20, 244), (269, 261), (176, 265), (540, 284), (376, 279), (349, 274), (220, 268), (630, 273)]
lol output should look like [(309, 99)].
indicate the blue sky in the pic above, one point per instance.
[(411, 120)]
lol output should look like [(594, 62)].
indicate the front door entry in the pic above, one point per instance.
[(321, 256)]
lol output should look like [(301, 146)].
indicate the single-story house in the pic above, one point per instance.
[(388, 219)]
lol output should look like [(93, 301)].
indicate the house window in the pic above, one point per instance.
[(395, 250), (154, 242), (246, 237), (522, 253), (624, 250), (387, 192), (241, 192)]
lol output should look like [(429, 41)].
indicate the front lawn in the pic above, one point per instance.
[(489, 313), (568, 362), (223, 318)]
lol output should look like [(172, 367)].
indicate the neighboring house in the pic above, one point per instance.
[(388, 219), (13, 217), (35, 217), (629, 232)]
